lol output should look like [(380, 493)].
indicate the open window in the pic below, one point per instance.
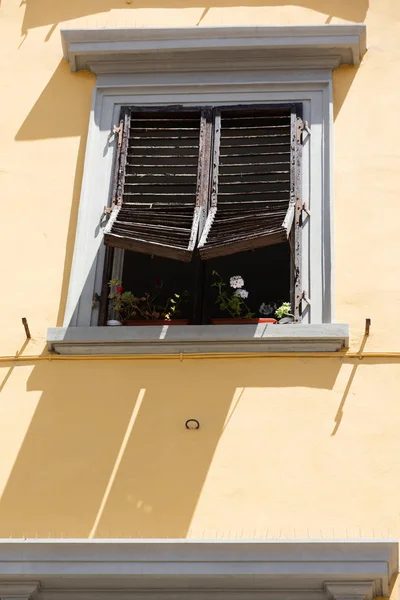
[(205, 190)]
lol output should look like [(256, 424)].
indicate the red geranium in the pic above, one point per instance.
[(119, 289)]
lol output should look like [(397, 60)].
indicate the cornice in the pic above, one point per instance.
[(129, 50)]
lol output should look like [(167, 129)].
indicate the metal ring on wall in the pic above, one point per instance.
[(192, 424)]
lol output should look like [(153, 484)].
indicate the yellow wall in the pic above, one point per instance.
[(287, 447)]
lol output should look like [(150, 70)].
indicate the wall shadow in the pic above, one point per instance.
[(61, 111), (340, 410), (342, 80), (40, 13), (86, 466)]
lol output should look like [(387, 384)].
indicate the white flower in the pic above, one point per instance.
[(242, 293), (236, 282), (268, 309)]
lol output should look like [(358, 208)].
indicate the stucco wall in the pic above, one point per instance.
[(290, 448)]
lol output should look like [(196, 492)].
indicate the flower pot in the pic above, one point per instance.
[(231, 321), (286, 320), (156, 322)]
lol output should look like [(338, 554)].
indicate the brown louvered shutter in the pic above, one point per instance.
[(162, 189), (254, 182)]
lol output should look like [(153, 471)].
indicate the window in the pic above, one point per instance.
[(204, 189), (217, 67)]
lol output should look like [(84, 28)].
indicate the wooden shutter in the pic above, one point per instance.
[(161, 190), (254, 179)]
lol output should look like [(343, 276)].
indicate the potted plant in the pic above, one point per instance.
[(146, 309), (283, 314), (233, 301)]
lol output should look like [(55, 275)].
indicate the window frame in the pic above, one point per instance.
[(310, 87)]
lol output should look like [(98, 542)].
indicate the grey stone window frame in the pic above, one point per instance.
[(161, 67)]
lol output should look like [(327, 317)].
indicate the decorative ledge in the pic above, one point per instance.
[(194, 339), (171, 569), (213, 48)]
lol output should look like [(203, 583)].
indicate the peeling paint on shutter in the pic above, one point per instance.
[(161, 190), (253, 184), (295, 178)]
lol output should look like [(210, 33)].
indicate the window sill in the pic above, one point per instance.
[(199, 339)]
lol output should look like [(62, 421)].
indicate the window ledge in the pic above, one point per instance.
[(211, 48), (199, 339)]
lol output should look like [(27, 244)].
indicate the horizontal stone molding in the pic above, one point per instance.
[(350, 590), (213, 48), (199, 570), (18, 590), (181, 339)]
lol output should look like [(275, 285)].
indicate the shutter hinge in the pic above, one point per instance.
[(306, 298), (118, 129), (305, 209), (106, 213), (96, 299), (302, 131)]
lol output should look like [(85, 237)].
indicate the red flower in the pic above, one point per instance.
[(119, 289)]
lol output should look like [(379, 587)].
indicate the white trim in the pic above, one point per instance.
[(210, 48), (311, 88), (265, 569)]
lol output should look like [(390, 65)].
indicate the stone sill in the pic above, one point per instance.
[(199, 339)]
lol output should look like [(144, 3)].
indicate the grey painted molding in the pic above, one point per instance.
[(18, 590), (168, 568), (350, 590), (177, 339), (213, 48)]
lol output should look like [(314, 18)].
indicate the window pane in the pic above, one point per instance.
[(144, 274), (266, 275)]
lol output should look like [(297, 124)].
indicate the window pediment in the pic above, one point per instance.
[(212, 48)]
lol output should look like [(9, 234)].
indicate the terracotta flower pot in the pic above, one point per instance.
[(156, 322), (231, 321)]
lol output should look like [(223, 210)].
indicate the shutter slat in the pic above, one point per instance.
[(238, 160), (160, 178), (163, 134), (253, 149), (254, 177), (267, 143), (252, 181), (159, 207)]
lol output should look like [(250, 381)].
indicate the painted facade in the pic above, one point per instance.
[(288, 447)]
